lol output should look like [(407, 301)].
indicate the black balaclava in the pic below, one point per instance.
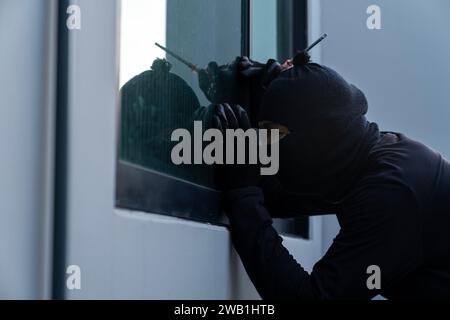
[(330, 136)]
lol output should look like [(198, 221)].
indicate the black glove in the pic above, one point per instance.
[(242, 82), (259, 73), (219, 83), (235, 176)]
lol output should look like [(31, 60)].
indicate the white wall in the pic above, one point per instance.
[(26, 117)]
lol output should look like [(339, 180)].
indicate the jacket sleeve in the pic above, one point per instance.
[(274, 272), (371, 237)]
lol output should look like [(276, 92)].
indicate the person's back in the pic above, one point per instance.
[(399, 161)]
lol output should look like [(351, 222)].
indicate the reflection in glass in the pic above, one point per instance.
[(159, 99)]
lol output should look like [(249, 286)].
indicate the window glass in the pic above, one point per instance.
[(159, 96), (160, 93), (278, 29)]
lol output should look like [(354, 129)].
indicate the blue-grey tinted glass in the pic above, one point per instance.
[(160, 93)]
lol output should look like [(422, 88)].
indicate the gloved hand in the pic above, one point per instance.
[(235, 176), (219, 83), (261, 74), (242, 82)]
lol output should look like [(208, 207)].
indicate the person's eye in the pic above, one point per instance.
[(268, 125)]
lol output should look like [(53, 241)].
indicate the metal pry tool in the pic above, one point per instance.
[(302, 57), (323, 37)]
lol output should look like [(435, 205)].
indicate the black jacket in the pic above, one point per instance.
[(396, 215)]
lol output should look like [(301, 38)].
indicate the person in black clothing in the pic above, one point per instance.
[(390, 193)]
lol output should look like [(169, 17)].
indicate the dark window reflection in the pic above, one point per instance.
[(154, 104), (167, 96)]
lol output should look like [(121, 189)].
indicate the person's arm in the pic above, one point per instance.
[(272, 269), (373, 235)]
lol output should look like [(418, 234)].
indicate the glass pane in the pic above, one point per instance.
[(278, 29), (160, 96), (264, 30)]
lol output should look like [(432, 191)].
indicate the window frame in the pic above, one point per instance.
[(139, 188), (150, 191)]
